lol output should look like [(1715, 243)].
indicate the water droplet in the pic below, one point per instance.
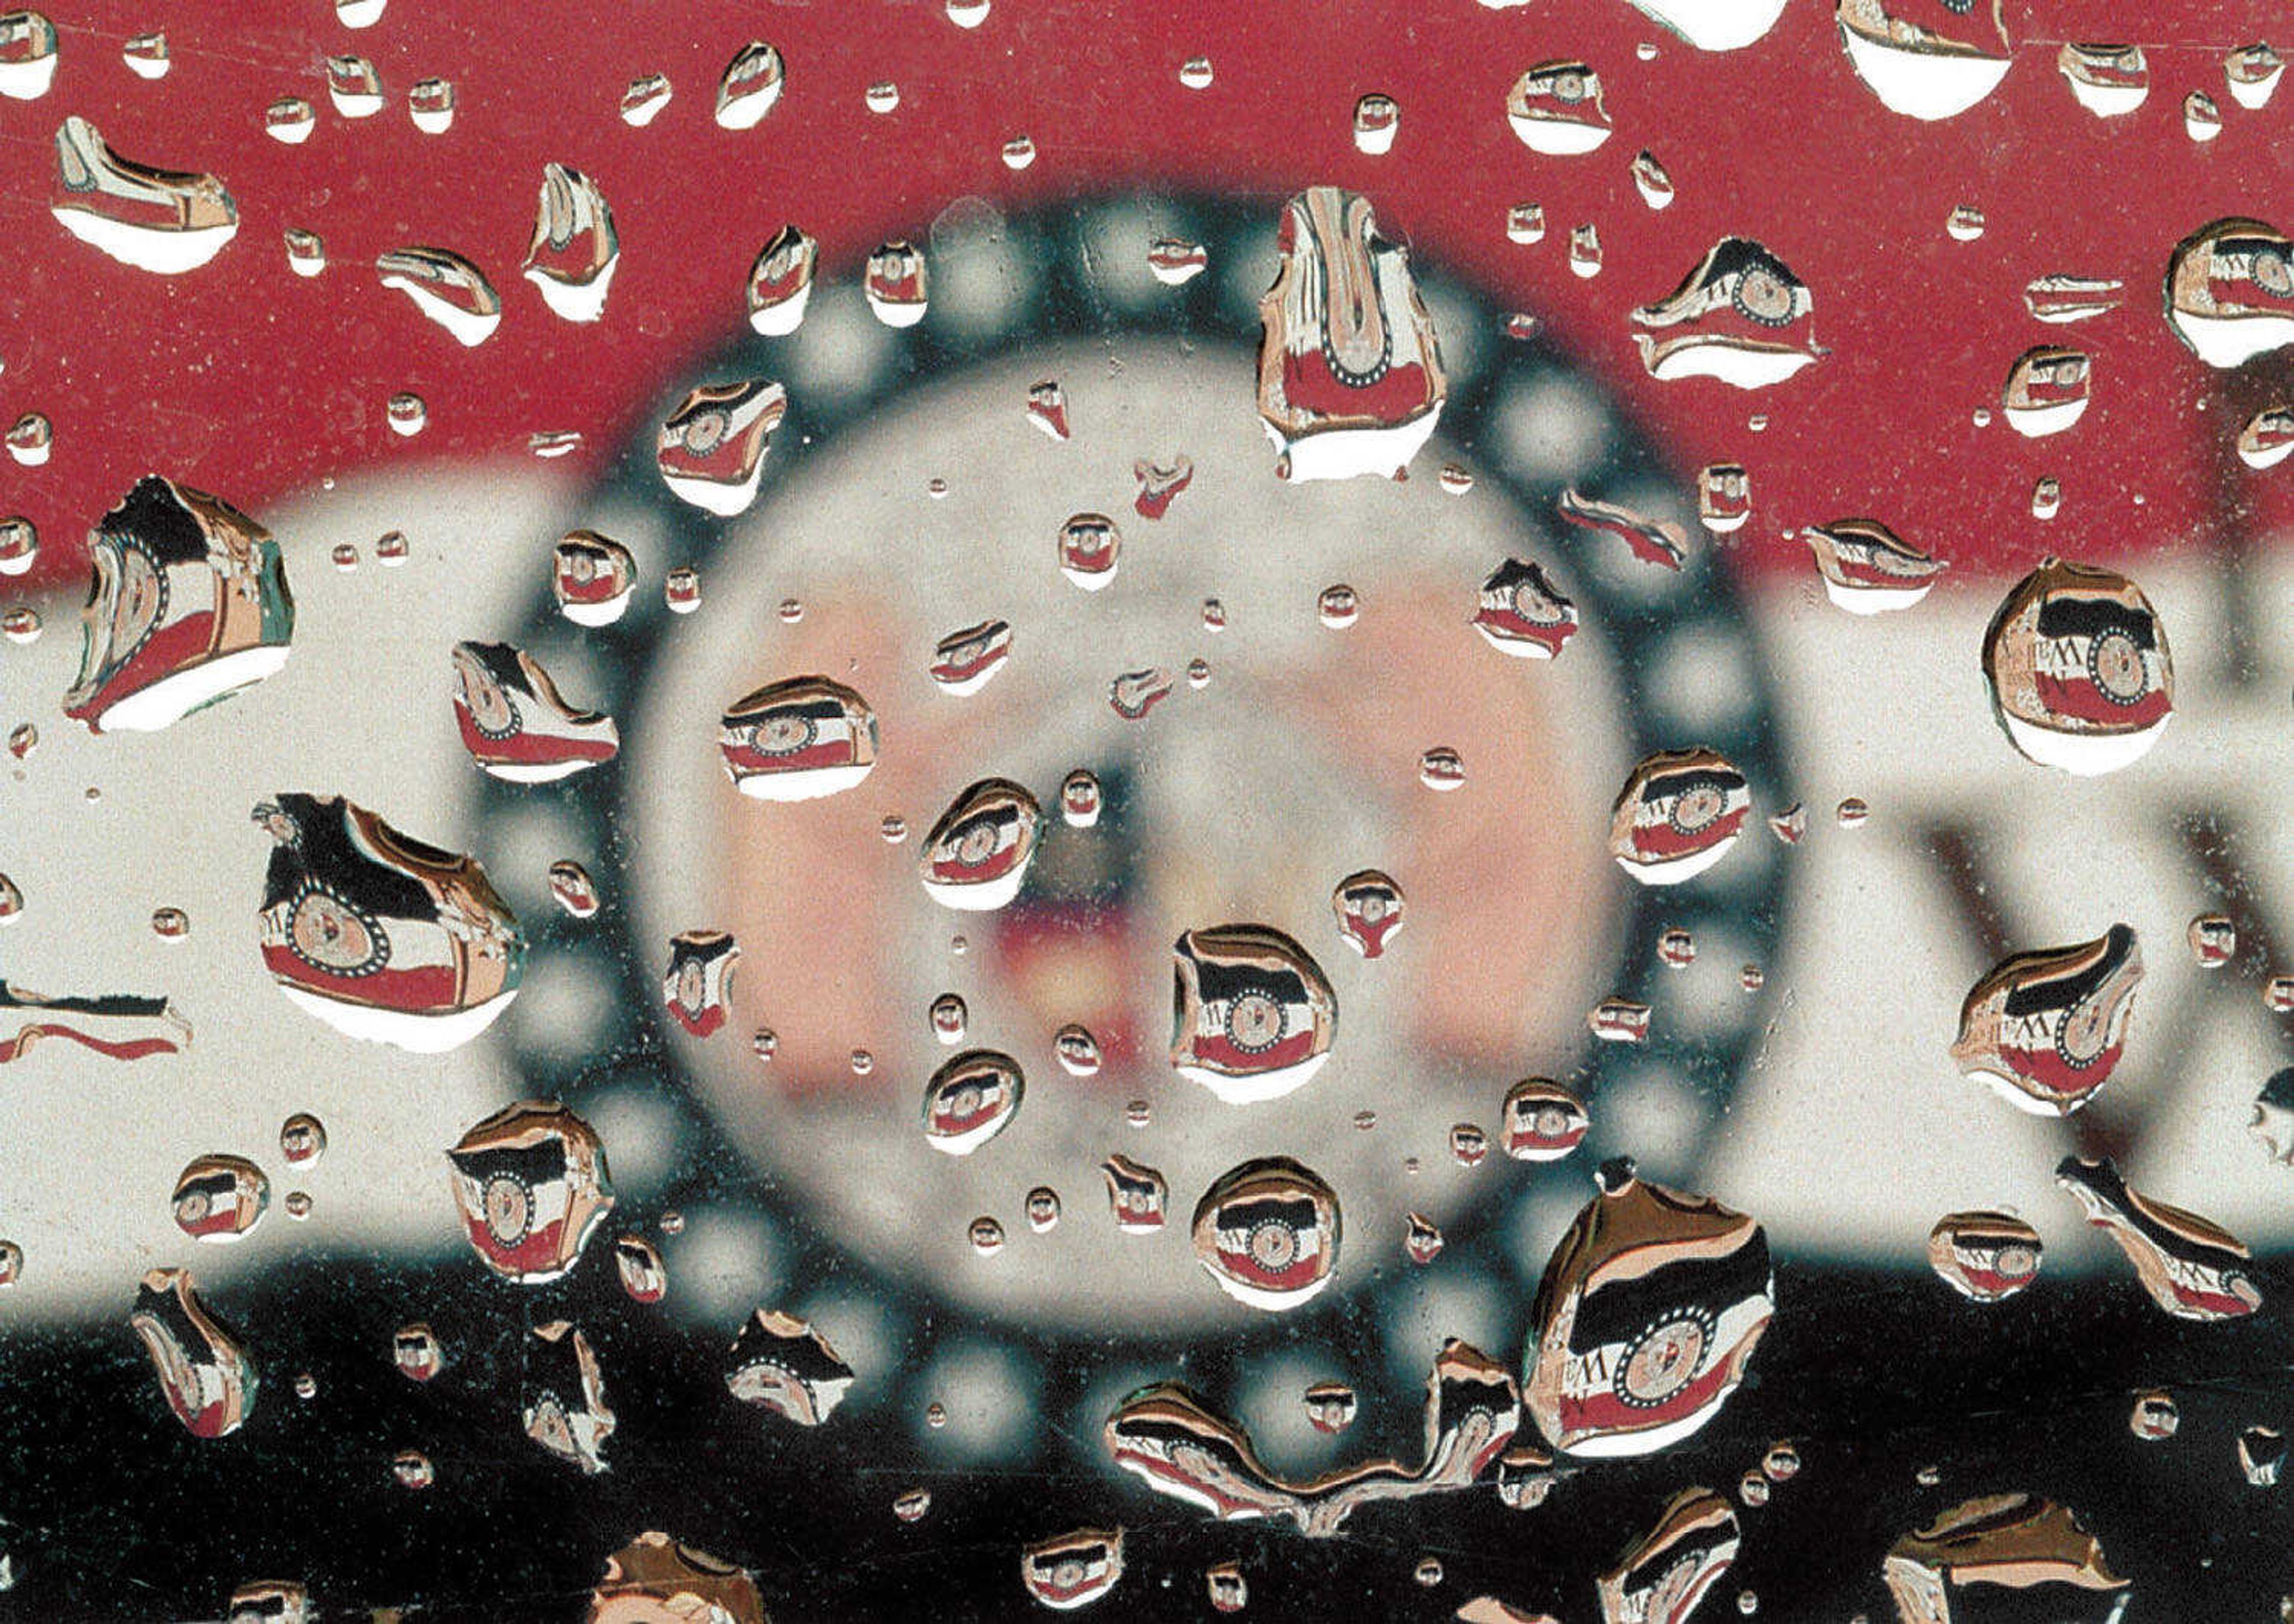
[(765, 1043), (798, 739), (1852, 813), (2191, 1269), (332, 925), (1072, 1570), (912, 1505), (1442, 769), (2261, 1452), (406, 414), (1922, 65), (1724, 496), (2045, 1029), (307, 1385), (1998, 1539), (1540, 1121), (1368, 907), (654, 1577), (1229, 1591), (1268, 1233), (1171, 1439), (1350, 379), (710, 450), (11, 1263), (1555, 109), (863, 1062), (1651, 180), (1177, 261), (1337, 607), (1670, 1569), (1159, 485), (1520, 611), (2253, 72), (1195, 73), (21, 623), (2278, 994), (1136, 1194), (881, 97), (1867, 568), (2201, 119), (896, 285), (949, 1016), (415, 1350), (1751, 978), (220, 1198), (1651, 541), (971, 1099), (23, 739), (986, 1235), (1790, 824), (1702, 1293), (1089, 548), (290, 121), (430, 104), (781, 1363), (640, 1266), (447, 288), (1422, 1241), (1985, 1256), (1585, 250), (165, 559), (27, 55), (1253, 1016), (2046, 390), (297, 1205), (160, 220), (574, 250), (672, 1222), (1043, 1209), (206, 1378), (977, 855), (2154, 1418), (1680, 813), (532, 1184), (1377, 121), (643, 99), (20, 544), (1077, 1051), (1753, 1488), (1619, 1020), (699, 982), (1676, 949), (966, 660), (1741, 316), (749, 86), (780, 282), (574, 891), (413, 1469), (1365, 1121), (345, 555), (2230, 291), (1428, 1571), (515, 724), (2047, 496), (2214, 940), (892, 829), (1966, 224)]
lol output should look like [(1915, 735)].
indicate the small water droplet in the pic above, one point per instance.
[(220, 1198), (302, 1139), (1378, 119)]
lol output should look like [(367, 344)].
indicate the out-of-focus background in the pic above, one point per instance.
[(1823, 1103)]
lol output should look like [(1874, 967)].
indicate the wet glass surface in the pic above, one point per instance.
[(1461, 813)]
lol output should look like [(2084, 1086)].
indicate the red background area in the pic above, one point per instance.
[(241, 379)]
